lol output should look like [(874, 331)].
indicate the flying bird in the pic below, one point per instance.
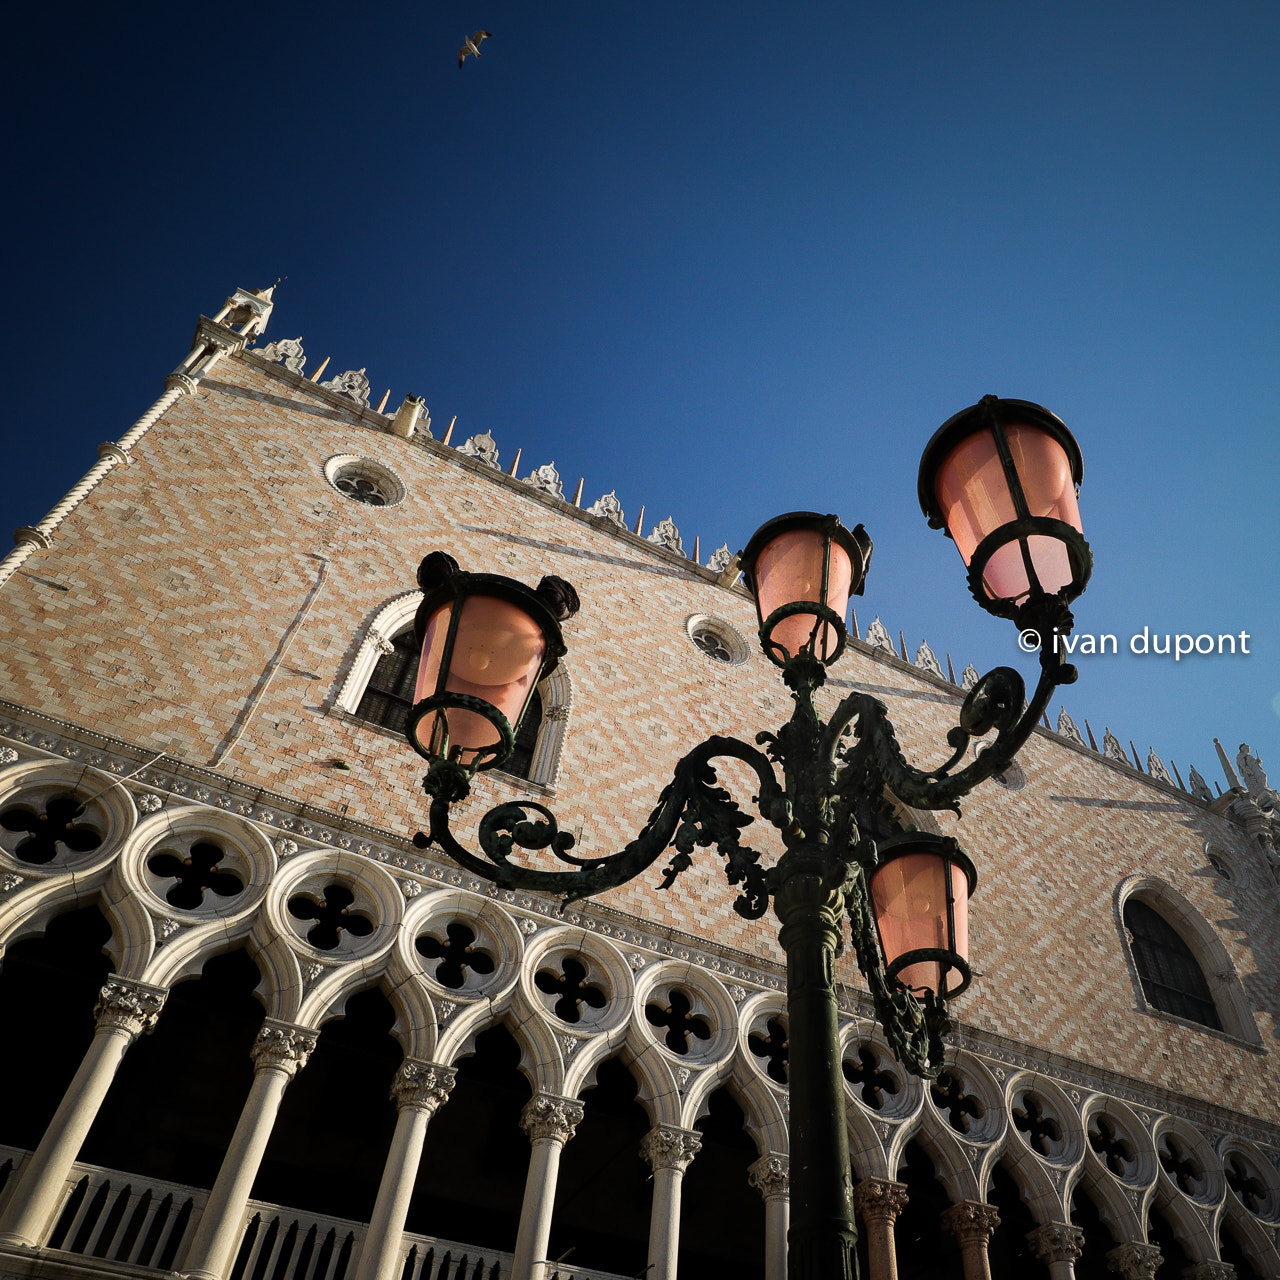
[(471, 44)]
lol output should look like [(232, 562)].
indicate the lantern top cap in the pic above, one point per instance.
[(856, 541), (899, 846), (974, 419)]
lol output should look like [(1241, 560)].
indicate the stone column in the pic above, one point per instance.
[(669, 1152), (1058, 1245), (880, 1201), (550, 1121), (419, 1090), (125, 1010), (972, 1222), (1135, 1260), (280, 1050), (1210, 1271), (771, 1177)]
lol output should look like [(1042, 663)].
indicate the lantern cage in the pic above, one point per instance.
[(1002, 478), (802, 568), (920, 890), (486, 642)]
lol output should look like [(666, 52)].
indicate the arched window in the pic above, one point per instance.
[(380, 686), (1172, 979)]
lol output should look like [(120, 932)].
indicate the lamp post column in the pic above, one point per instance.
[(669, 1152), (419, 1090), (280, 1050), (125, 1010), (770, 1177), (972, 1222), (1059, 1245), (880, 1201), (550, 1121), (822, 1236)]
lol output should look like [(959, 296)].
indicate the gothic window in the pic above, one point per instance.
[(388, 697), (1172, 979)]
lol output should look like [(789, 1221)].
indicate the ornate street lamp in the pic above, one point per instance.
[(1000, 478)]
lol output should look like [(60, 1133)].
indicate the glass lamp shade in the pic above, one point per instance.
[(486, 643), (920, 898), (1001, 478), (798, 559)]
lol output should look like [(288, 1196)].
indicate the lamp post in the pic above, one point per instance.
[(1001, 479)]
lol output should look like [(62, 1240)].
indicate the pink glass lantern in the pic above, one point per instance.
[(920, 894), (486, 643), (798, 560), (1001, 477)]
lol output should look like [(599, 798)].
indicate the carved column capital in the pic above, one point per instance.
[(1210, 1271), (547, 1115), (1057, 1242), (667, 1147), (971, 1220), (771, 1176), (880, 1199), (1135, 1261), (128, 1006), (422, 1086), (282, 1046)]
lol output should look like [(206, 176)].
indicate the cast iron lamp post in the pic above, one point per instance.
[(1001, 478)]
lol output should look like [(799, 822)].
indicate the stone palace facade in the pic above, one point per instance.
[(253, 1033)]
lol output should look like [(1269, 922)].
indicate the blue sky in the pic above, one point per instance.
[(729, 259)]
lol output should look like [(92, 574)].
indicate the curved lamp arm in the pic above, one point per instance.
[(692, 811), (995, 702)]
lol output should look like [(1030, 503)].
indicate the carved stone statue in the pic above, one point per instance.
[(1199, 787), (1251, 771)]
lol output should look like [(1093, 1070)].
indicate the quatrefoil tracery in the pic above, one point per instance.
[(866, 1073), (1041, 1131), (679, 1019), (193, 875), (48, 829), (572, 989), (456, 954), (332, 916), (772, 1048), (949, 1096)]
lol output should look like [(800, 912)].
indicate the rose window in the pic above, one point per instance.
[(362, 489)]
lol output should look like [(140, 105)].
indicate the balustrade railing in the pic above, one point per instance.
[(148, 1222)]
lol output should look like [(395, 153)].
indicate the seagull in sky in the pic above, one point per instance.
[(471, 44)]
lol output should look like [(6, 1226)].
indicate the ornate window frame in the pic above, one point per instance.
[(1210, 954), (556, 691)]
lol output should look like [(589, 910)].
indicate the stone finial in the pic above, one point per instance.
[(288, 351), (969, 677), (926, 660), (422, 1086), (720, 558), (352, 384), (547, 1115), (878, 637), (1057, 1242), (546, 479), (1134, 1260), (609, 508), (971, 1221), (128, 1006), (1155, 767), (880, 1199), (282, 1046), (771, 1176), (1199, 787), (1067, 728), (665, 534), (482, 448), (667, 1147), (1111, 747)]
